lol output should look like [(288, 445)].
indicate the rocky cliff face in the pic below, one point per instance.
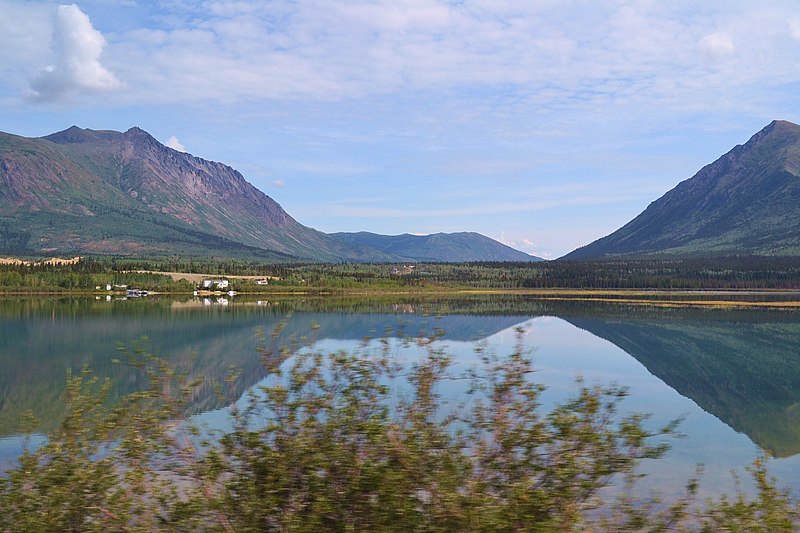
[(126, 193), (201, 193)]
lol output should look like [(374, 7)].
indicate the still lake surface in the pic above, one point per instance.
[(733, 375)]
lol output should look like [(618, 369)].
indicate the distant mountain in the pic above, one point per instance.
[(81, 191), (439, 247), (745, 203)]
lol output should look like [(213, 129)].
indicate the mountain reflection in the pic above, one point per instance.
[(741, 366), (40, 340)]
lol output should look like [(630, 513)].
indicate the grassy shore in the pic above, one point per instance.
[(722, 298)]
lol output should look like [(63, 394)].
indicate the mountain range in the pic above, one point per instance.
[(91, 192), (744, 203), (439, 247), (99, 192)]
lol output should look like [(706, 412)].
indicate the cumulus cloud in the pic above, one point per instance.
[(529, 247), (76, 47), (501, 238), (717, 45), (523, 244), (175, 144), (278, 183)]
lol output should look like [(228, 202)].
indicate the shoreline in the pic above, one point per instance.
[(706, 298)]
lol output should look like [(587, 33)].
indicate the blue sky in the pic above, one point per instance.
[(543, 123)]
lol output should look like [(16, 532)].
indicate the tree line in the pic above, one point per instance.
[(745, 272)]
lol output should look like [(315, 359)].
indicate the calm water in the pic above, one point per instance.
[(733, 375)]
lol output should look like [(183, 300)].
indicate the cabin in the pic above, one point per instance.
[(215, 284), (404, 271)]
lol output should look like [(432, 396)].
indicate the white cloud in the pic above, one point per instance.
[(175, 144), (457, 98), (794, 28), (25, 31), (278, 183), (542, 55), (483, 208), (717, 45), (77, 47), (501, 238), (521, 243)]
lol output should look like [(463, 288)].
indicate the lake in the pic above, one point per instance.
[(732, 374)]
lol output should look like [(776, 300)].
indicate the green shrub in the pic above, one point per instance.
[(359, 442)]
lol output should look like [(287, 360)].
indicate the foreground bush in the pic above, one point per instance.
[(360, 442)]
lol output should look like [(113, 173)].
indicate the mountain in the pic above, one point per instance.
[(82, 191), (439, 247), (745, 203)]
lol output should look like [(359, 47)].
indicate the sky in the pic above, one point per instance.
[(545, 124)]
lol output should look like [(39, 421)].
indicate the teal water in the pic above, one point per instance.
[(733, 375)]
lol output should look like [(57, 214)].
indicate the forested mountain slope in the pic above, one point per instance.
[(439, 247), (82, 191), (745, 203)]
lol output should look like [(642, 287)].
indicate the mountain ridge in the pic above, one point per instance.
[(455, 247), (124, 193), (744, 203), (136, 185), (104, 192)]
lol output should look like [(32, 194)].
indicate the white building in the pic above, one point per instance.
[(215, 283)]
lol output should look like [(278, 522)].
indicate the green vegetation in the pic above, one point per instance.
[(82, 192), (87, 275), (358, 442), (711, 273), (437, 248)]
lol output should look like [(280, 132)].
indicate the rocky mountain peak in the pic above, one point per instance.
[(86, 191), (76, 135), (71, 135), (138, 136), (744, 203), (777, 130)]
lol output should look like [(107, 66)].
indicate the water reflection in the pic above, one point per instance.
[(746, 372), (741, 367), (41, 339)]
